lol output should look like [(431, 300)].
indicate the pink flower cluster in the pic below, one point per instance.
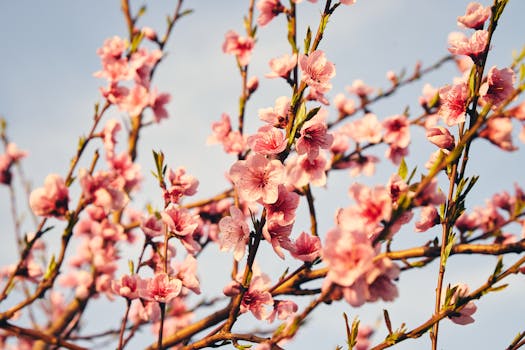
[(11, 156), (117, 67)]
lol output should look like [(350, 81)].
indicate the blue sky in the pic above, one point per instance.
[(47, 93)]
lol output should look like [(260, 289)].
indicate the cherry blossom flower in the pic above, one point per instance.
[(123, 167), (80, 280), (161, 288), (282, 66), (441, 137), (499, 132), (109, 135), (283, 309), (268, 140), (220, 130), (463, 316), (473, 47), (257, 298), (52, 199), (278, 115), (317, 71), (278, 236), (362, 164), (180, 184), (11, 156), (313, 136), (344, 105), (373, 204), (453, 103), (306, 247), (397, 130), (365, 129), (239, 46), (158, 103), (104, 189), (475, 16), (234, 233), (188, 274), (283, 210), (179, 220), (127, 286), (268, 10), (348, 255), (152, 226), (300, 171), (395, 154), (359, 88), (137, 99), (429, 218), (141, 64), (498, 87), (257, 178)]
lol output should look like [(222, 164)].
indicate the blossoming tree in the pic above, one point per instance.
[(267, 210)]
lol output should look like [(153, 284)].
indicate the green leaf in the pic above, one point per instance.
[(403, 169), (131, 266), (50, 268), (522, 72), (142, 11), (498, 268), (307, 40), (472, 81), (450, 243)]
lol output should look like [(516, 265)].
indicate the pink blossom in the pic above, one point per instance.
[(252, 84), (257, 298), (373, 204), (109, 135), (234, 143), (152, 226), (278, 236), (278, 115), (429, 218), (268, 10), (365, 129), (498, 87), (441, 137), (239, 46), (283, 210), (362, 164), (234, 233), (344, 105), (123, 167), (464, 315), (141, 65), (428, 95), (127, 286), (52, 199), (473, 47), (313, 136), (14, 153), (396, 187), (395, 154), (306, 247), (430, 195), (268, 140), (364, 334), (149, 33), (475, 16), (283, 309), (282, 66), (397, 130), (135, 102), (104, 189), (188, 274), (300, 171), (499, 132), (179, 220), (161, 288), (158, 103), (348, 255), (317, 71), (80, 280), (359, 88), (453, 103), (112, 48), (257, 178), (180, 184), (220, 129)]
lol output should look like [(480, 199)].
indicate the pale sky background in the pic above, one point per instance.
[(47, 93)]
